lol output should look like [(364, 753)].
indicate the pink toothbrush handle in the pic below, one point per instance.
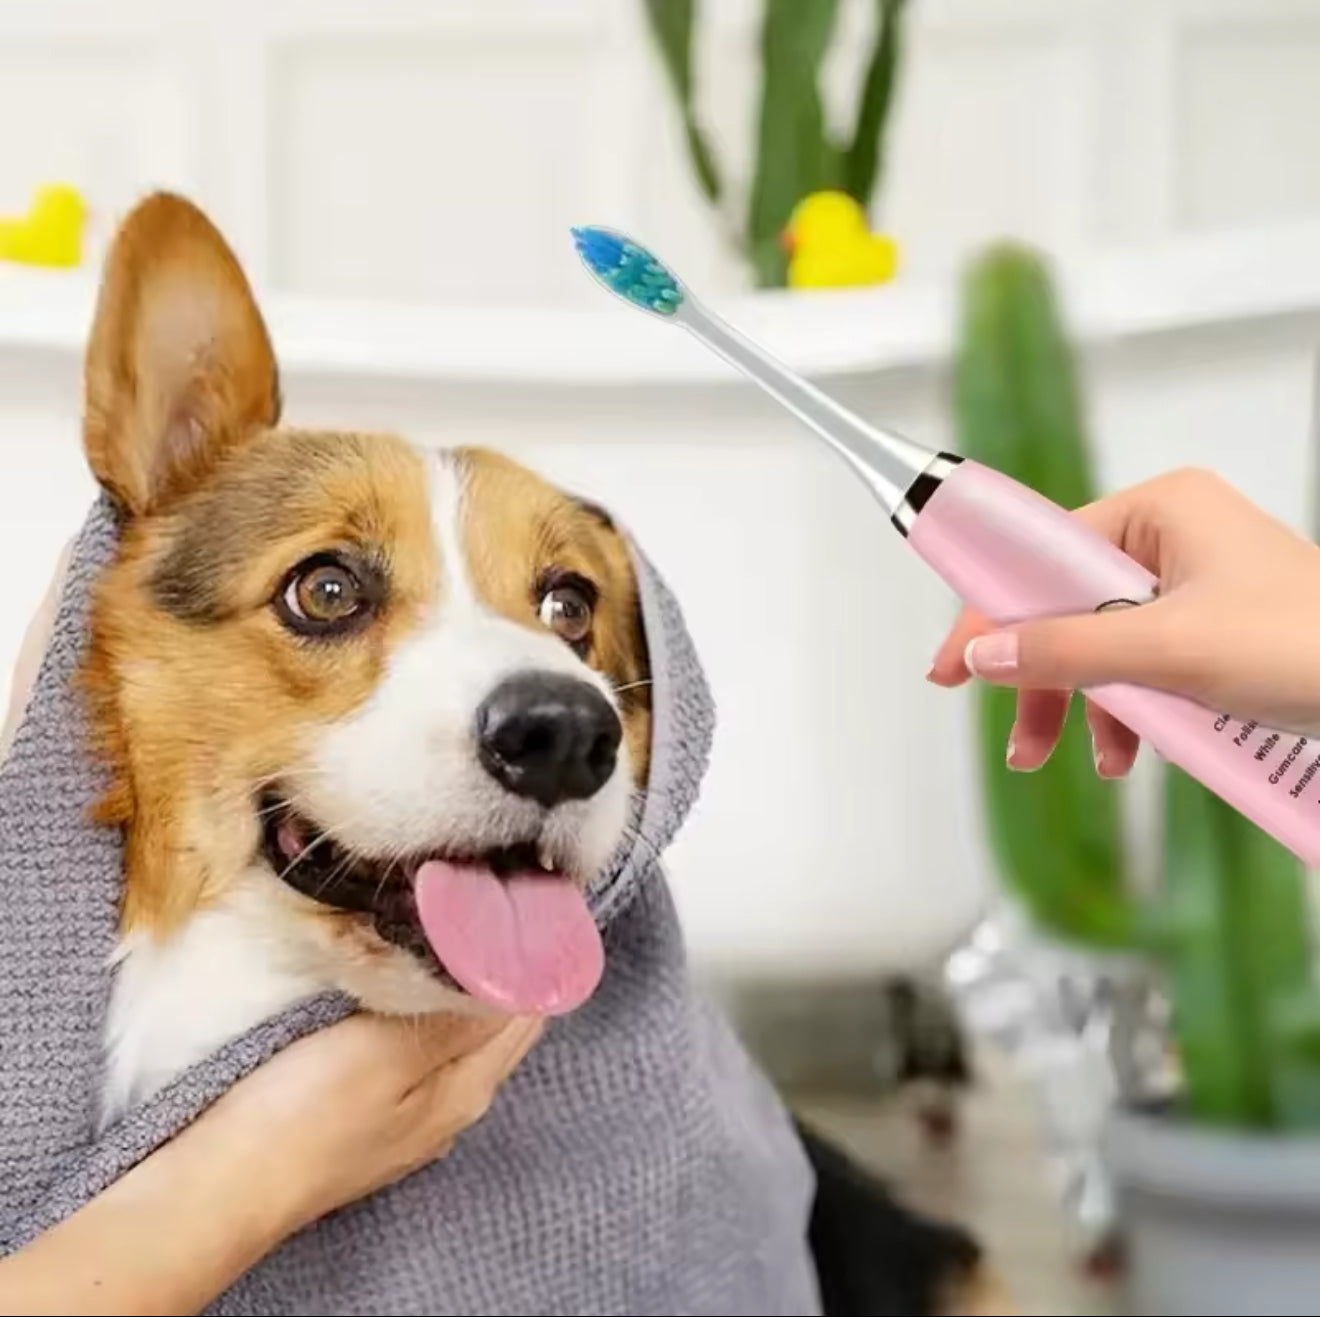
[(1013, 555)]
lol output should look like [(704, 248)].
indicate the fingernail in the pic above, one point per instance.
[(995, 655), (1011, 759), (1101, 758)]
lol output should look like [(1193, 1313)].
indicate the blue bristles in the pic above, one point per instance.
[(628, 269)]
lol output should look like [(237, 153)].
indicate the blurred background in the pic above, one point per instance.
[(399, 176)]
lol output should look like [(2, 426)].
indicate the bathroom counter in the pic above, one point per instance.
[(1149, 291)]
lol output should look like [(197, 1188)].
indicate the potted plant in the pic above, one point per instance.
[(1217, 1189), (796, 154)]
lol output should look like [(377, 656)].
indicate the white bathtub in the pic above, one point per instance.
[(839, 829)]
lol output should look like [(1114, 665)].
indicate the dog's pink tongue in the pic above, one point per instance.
[(525, 943)]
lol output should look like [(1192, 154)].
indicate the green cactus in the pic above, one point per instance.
[(1229, 925), (796, 155), (1057, 836), (671, 23)]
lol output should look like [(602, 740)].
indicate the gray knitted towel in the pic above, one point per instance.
[(635, 1163)]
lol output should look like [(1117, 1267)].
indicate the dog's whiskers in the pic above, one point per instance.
[(334, 874), (303, 854), (633, 685), (393, 864)]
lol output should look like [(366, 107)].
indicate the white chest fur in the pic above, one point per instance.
[(175, 1002)]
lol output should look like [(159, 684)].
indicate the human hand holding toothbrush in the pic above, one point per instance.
[(1236, 626), (1175, 606)]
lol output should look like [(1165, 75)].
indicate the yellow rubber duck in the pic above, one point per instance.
[(51, 231), (829, 245)]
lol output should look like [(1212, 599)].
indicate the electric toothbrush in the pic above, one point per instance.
[(1006, 551)]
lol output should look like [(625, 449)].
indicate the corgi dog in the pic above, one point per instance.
[(373, 714)]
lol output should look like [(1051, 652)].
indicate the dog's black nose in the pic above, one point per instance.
[(548, 736)]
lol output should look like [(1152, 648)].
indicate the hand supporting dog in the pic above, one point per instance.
[(331, 1119)]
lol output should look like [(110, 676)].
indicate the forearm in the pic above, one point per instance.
[(166, 1239)]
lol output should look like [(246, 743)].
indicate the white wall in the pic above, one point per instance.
[(436, 149), (412, 151)]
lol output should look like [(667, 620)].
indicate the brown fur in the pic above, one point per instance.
[(516, 526), (179, 369), (196, 716), (197, 695)]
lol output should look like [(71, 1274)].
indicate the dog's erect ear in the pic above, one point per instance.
[(179, 368)]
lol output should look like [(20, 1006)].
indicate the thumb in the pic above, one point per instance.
[(1089, 649), (465, 1087), (409, 1049)]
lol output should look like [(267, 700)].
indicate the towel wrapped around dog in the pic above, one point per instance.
[(636, 1162)]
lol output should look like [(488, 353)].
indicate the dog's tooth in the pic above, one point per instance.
[(546, 860), (290, 839)]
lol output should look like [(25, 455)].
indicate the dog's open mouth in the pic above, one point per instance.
[(504, 925)]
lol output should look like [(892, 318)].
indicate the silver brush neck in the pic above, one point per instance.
[(887, 463)]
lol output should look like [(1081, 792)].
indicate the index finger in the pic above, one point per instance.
[(443, 1037), (1117, 517)]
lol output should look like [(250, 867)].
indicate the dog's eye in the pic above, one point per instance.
[(566, 610), (321, 597), (325, 594)]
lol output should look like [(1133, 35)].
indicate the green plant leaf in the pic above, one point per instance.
[(769, 263), (672, 24), (793, 154), (1297, 1027), (1220, 1047), (863, 163), (1238, 975), (1016, 392), (1056, 834)]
